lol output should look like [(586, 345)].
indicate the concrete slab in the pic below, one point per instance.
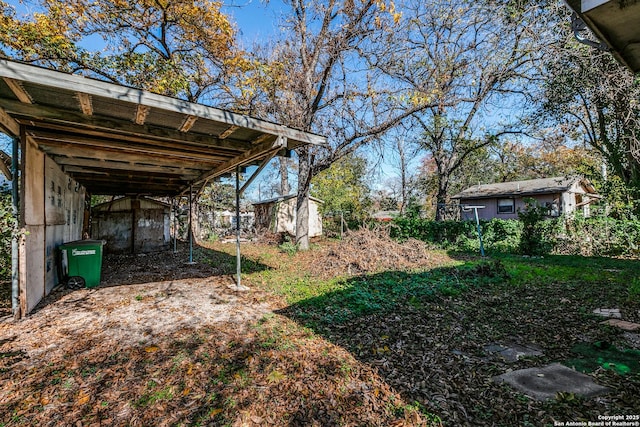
[(543, 383), (622, 324), (513, 352), (608, 312)]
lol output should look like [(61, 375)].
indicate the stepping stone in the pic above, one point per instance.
[(513, 352), (608, 312), (544, 383), (622, 324)]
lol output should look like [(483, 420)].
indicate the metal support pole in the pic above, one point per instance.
[(15, 251), (190, 225), (238, 258), (174, 206), (475, 209)]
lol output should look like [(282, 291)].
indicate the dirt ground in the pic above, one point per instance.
[(164, 342), (169, 343)]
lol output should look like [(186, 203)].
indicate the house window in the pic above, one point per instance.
[(553, 208), (506, 206)]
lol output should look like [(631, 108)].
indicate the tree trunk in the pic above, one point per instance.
[(302, 204), (441, 197), (285, 188)]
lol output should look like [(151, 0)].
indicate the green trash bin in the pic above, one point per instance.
[(82, 262)]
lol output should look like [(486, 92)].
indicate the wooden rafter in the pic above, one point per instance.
[(188, 123), (261, 150), (228, 132), (18, 90), (177, 151), (55, 120), (85, 103), (8, 123), (141, 114)]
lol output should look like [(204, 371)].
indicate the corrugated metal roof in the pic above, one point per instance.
[(523, 188), (119, 140)]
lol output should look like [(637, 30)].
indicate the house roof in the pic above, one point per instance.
[(283, 198), (524, 188), (116, 140)]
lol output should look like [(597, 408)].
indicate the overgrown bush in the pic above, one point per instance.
[(598, 236), (537, 233), (6, 229), (498, 234), (574, 235)]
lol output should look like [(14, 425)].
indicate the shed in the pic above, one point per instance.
[(562, 195), (74, 136), (278, 215), (132, 225)]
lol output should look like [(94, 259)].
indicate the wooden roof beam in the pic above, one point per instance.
[(18, 90), (188, 123), (78, 151), (261, 150), (54, 119), (85, 103), (228, 131), (186, 153), (9, 124), (141, 114)]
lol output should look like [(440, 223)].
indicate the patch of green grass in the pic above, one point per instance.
[(600, 354), (151, 398), (343, 299)]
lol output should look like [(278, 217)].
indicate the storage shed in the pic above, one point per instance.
[(73, 136), (132, 225), (278, 215)]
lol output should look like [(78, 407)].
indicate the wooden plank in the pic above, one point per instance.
[(188, 123), (112, 187), (70, 141), (85, 103), (69, 150), (68, 82), (259, 151), (69, 121), (228, 132), (18, 90), (118, 173), (141, 114), (9, 124), (169, 168)]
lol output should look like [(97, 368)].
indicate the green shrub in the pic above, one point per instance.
[(532, 234), (7, 223)]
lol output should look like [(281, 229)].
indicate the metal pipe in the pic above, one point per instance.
[(238, 258), (174, 207), (475, 209), (15, 250), (190, 225)]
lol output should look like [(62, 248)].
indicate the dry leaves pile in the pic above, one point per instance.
[(369, 251)]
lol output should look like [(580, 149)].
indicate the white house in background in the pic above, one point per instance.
[(278, 215), (562, 195)]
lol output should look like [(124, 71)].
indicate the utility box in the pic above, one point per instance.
[(81, 263)]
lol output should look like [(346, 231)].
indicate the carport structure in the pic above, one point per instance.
[(77, 135)]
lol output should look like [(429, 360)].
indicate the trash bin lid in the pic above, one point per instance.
[(84, 242)]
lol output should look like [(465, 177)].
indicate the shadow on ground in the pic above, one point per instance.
[(426, 334)]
